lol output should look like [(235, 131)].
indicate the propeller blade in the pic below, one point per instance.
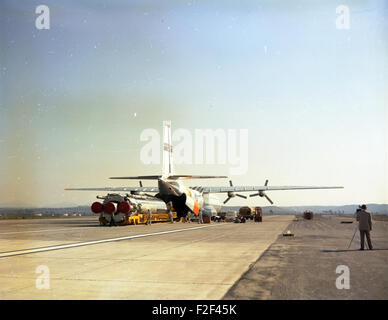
[(227, 199), (230, 182), (241, 196), (262, 194), (268, 198), (266, 182)]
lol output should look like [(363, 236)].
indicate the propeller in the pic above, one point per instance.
[(232, 194), (141, 193), (262, 194)]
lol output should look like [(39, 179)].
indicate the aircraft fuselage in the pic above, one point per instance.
[(186, 199)]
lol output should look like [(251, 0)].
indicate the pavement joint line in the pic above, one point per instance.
[(129, 280), (80, 244), (45, 230), (62, 229)]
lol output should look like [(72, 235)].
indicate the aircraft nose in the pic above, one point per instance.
[(166, 188)]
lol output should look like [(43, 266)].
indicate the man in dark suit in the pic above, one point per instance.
[(364, 219)]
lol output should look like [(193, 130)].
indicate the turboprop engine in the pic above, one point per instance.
[(209, 211)]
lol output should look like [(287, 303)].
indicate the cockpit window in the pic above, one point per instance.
[(175, 184)]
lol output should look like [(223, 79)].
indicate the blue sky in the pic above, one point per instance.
[(313, 97)]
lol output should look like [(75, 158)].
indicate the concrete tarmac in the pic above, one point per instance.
[(315, 263), (75, 258)]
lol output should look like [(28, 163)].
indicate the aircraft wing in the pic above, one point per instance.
[(178, 177), (129, 189), (171, 177), (259, 188), (138, 177)]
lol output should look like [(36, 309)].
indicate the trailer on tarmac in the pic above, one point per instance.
[(258, 214)]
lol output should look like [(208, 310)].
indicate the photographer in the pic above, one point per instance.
[(364, 219)]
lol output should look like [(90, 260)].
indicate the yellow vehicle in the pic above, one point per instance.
[(140, 218), (247, 212)]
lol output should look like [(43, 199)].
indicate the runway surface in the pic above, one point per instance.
[(162, 261), (305, 266)]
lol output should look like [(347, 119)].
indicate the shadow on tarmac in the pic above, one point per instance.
[(350, 250)]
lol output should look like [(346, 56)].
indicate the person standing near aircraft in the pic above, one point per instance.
[(364, 219), (149, 218), (200, 217), (169, 206)]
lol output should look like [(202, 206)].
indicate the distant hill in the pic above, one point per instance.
[(84, 210), (21, 205)]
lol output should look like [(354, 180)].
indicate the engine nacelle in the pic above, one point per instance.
[(209, 211), (110, 208), (96, 207), (124, 207)]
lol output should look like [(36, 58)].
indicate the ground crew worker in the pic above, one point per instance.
[(171, 216), (200, 217), (169, 205), (149, 218), (364, 219)]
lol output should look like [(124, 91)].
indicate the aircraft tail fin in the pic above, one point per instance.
[(168, 168)]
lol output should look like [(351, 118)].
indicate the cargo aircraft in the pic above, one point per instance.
[(184, 199)]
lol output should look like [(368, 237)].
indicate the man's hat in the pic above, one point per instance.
[(363, 207)]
